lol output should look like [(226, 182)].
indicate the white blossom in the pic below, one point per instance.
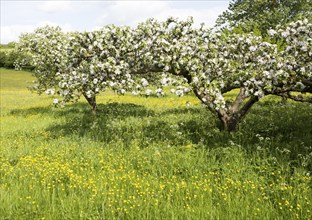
[(272, 32), (144, 82), (253, 48), (179, 92), (148, 92)]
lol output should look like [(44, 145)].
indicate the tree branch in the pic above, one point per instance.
[(238, 101), (243, 111), (298, 98)]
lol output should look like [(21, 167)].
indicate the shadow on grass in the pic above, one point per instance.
[(268, 125), (122, 123), (49, 110), (291, 123), (31, 111), (111, 109)]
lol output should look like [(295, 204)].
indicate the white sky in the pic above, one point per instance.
[(24, 16)]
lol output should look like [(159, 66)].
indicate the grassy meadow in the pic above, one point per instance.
[(150, 158)]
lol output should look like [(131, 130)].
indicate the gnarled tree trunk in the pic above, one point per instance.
[(228, 122), (238, 110)]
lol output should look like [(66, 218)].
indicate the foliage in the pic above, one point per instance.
[(214, 64), (10, 57), (10, 45), (2, 58), (154, 158), (262, 15)]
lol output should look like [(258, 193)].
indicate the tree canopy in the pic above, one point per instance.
[(262, 15)]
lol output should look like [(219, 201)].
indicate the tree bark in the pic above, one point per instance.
[(229, 123), (92, 102), (230, 120)]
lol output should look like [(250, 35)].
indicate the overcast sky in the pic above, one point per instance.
[(25, 16)]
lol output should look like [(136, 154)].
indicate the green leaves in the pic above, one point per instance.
[(261, 15)]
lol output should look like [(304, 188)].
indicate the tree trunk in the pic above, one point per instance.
[(230, 120), (229, 123), (92, 102), (93, 107)]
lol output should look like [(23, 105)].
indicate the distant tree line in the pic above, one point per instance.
[(9, 57)]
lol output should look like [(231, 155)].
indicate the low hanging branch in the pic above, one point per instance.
[(298, 98)]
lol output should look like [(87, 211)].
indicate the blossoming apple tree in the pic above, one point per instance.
[(79, 64), (214, 64), (210, 64)]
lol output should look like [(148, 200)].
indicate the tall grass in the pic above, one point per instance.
[(150, 158)]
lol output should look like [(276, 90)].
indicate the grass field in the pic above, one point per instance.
[(150, 158)]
